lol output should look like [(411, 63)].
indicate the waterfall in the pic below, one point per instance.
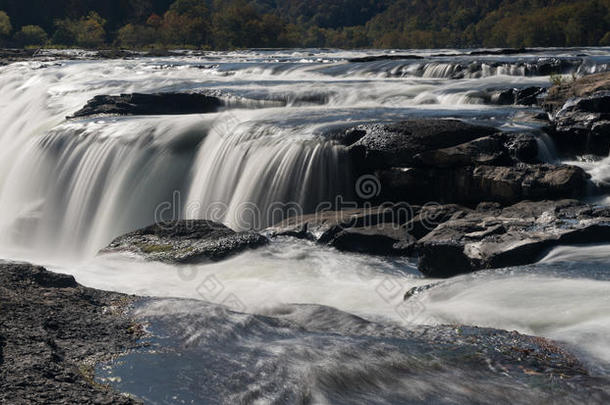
[(251, 174), (88, 182), (70, 186)]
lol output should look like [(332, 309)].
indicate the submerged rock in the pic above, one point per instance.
[(187, 241), (52, 332), (348, 359), (150, 104)]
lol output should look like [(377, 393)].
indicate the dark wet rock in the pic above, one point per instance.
[(526, 96), (549, 66), (430, 216), (529, 95), (150, 104), (452, 239), (372, 230), (396, 144), (473, 184), (581, 115), (488, 150), (491, 237), (583, 125), (503, 51), (52, 333), (497, 150), (382, 57), (386, 239), (187, 241), (415, 291), (449, 161), (521, 147)]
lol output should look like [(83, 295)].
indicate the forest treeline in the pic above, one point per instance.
[(228, 24)]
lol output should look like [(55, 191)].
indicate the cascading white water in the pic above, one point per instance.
[(93, 180), (68, 187), (74, 185), (252, 174)]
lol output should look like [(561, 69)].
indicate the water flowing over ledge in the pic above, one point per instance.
[(68, 187)]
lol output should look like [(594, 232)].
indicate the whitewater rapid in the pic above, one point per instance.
[(68, 187)]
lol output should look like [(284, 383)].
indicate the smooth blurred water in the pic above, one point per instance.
[(68, 187)]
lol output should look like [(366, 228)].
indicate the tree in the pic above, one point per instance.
[(186, 23), (133, 36), (31, 35), (90, 31), (87, 32), (5, 24)]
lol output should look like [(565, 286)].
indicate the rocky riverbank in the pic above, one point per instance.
[(52, 333)]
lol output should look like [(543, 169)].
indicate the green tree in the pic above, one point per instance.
[(5, 24), (186, 23), (31, 35), (90, 31), (134, 36), (87, 32)]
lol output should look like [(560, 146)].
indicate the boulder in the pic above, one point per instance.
[(580, 112), (389, 145), (583, 125), (186, 241), (526, 96), (386, 239), (150, 104), (372, 230), (516, 235), (449, 161), (503, 149), (473, 184)]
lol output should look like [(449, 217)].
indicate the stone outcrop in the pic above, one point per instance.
[(450, 239), (187, 241), (580, 113), (494, 237), (150, 104), (450, 161), (52, 333)]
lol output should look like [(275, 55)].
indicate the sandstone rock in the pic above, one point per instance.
[(473, 184), (581, 115), (516, 235), (373, 230), (150, 104), (187, 241), (52, 332), (387, 145)]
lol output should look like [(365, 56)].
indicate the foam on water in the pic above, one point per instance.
[(68, 187)]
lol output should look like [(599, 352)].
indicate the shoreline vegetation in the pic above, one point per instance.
[(221, 25)]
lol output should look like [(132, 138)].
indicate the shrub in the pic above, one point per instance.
[(31, 35)]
